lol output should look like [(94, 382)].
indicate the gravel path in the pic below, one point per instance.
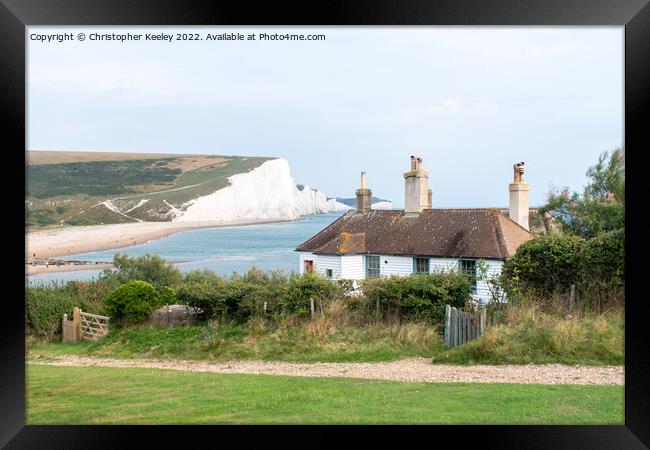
[(407, 370)]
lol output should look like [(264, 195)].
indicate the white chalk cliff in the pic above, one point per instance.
[(267, 192)]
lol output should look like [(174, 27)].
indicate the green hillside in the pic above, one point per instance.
[(114, 188)]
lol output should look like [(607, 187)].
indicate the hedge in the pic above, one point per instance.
[(419, 297), (550, 264)]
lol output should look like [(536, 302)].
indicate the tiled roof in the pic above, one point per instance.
[(468, 233)]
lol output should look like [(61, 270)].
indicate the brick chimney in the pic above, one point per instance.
[(416, 189), (364, 196), (519, 197)]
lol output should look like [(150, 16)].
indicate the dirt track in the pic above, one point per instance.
[(406, 370)]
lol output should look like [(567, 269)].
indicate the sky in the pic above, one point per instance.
[(470, 101)]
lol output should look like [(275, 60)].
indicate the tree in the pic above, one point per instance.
[(601, 206), (150, 268)]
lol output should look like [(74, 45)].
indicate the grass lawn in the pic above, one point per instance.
[(104, 395)]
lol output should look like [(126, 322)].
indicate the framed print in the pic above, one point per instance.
[(382, 214)]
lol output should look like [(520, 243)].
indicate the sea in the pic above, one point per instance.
[(223, 250)]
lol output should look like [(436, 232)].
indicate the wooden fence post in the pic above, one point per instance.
[(76, 321), (464, 316), (447, 324), (572, 297), (311, 301), (264, 307), (454, 328), (462, 327)]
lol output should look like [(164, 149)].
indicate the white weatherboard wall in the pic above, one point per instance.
[(442, 264), (350, 267), (325, 262), (353, 267), (397, 265)]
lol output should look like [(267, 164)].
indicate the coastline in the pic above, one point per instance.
[(53, 268), (66, 241)]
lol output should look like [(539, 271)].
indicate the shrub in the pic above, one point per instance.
[(150, 268), (603, 259), (420, 297), (543, 266), (44, 309), (303, 288), (91, 294), (45, 305), (547, 266), (272, 288), (132, 302), (202, 290)]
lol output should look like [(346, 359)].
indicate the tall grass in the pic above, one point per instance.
[(536, 333), (338, 334)]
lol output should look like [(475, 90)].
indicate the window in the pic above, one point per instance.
[(421, 265), (468, 267), (328, 273), (309, 265), (372, 266)]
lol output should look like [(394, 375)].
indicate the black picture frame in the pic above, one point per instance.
[(634, 15)]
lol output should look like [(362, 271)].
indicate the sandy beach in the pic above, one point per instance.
[(66, 241), (54, 268)]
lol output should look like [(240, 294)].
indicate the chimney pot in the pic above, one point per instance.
[(519, 210)]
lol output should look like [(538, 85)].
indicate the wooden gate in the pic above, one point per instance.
[(461, 326), (84, 326)]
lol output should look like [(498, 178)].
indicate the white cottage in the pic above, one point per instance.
[(367, 243)]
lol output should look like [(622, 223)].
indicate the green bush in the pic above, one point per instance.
[(270, 289), (543, 266), (45, 305), (549, 265), (603, 259), (150, 268), (44, 309), (133, 301), (244, 296), (202, 290), (301, 289), (420, 297)]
